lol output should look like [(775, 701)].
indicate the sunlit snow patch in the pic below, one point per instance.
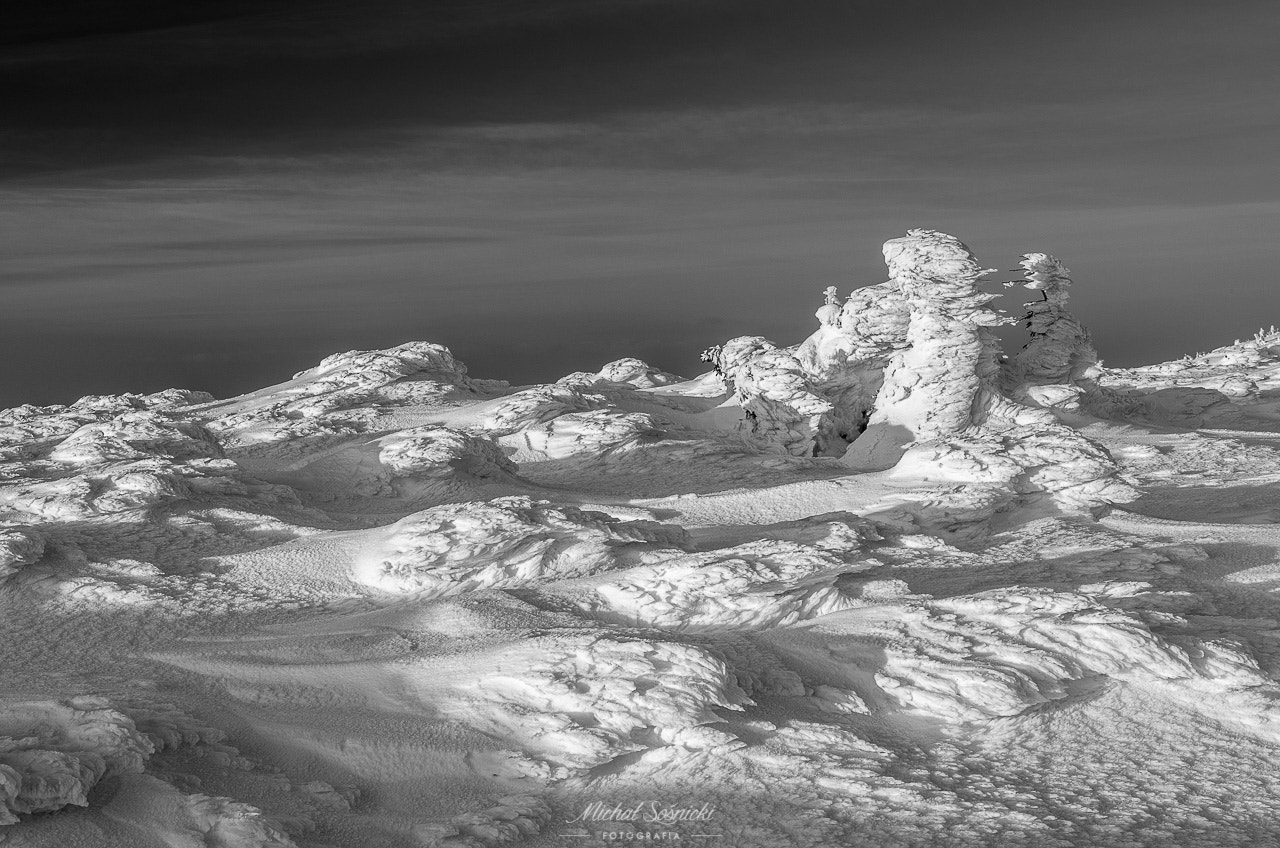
[(507, 541)]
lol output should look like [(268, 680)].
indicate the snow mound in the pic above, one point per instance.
[(564, 420), (52, 753), (135, 435), (781, 404), (55, 491), (1003, 652), (1045, 458), (120, 457), (512, 819), (27, 430), (1244, 362), (753, 586), (358, 370), (597, 434), (19, 546), (537, 406), (434, 451), (585, 699), (110, 490), (630, 371), (428, 463), (155, 809), (419, 459), (504, 542), (338, 396)]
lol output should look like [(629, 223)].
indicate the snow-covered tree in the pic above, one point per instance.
[(931, 386), (1060, 350)]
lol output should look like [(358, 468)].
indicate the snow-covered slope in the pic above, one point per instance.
[(885, 586)]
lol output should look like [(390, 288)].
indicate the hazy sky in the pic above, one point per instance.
[(217, 194)]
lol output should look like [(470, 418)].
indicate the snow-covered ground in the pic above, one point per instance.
[(385, 603)]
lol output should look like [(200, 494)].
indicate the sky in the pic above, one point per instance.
[(215, 195)]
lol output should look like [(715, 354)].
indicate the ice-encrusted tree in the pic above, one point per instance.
[(931, 387), (1061, 350)]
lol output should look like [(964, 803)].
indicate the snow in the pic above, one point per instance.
[(1060, 351), (884, 586), (930, 386), (504, 542)]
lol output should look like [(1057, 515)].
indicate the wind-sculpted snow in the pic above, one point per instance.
[(1003, 652), (26, 431), (19, 546), (780, 403), (52, 754), (583, 700), (1033, 458), (431, 451), (135, 435), (418, 466), (596, 434), (1231, 386), (504, 542), (815, 398), (757, 585), (931, 386), (336, 397), (149, 808), (1061, 351), (939, 415), (1247, 361), (513, 818), (863, 332), (538, 406), (630, 371), (883, 587)]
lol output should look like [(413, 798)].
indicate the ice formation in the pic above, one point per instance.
[(931, 385), (1059, 363), (815, 398), (53, 754), (863, 332), (880, 587), (780, 403)]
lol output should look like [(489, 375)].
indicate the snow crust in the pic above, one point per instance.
[(52, 754), (507, 541), (885, 586)]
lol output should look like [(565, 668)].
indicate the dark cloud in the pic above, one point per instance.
[(113, 82), (215, 194)]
